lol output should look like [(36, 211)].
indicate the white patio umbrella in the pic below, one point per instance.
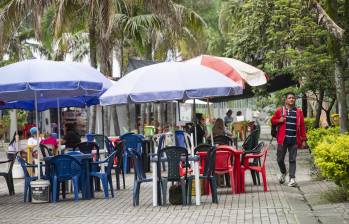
[(234, 69), (169, 81), (39, 80)]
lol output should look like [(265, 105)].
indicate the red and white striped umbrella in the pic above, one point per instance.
[(234, 69)]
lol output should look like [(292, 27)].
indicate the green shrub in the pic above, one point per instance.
[(308, 122), (332, 158), (315, 136)]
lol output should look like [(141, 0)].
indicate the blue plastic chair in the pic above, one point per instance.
[(27, 178), (132, 141), (140, 176), (106, 176), (65, 167)]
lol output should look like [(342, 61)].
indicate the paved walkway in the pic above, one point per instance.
[(281, 204)]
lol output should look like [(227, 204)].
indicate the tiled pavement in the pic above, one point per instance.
[(281, 204)]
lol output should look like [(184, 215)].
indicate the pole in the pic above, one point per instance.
[(37, 133), (209, 118), (59, 126), (195, 123)]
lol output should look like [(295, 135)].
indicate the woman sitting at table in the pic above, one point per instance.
[(219, 128), (71, 139)]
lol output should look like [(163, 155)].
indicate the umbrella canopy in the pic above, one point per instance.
[(49, 79), (236, 70), (45, 104), (169, 81)]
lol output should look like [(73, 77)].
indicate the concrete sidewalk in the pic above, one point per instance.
[(281, 204)]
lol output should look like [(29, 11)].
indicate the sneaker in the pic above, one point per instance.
[(282, 178), (292, 183)]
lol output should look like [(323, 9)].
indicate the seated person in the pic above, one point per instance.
[(71, 139), (239, 116), (219, 129), (33, 140), (201, 131), (52, 141)]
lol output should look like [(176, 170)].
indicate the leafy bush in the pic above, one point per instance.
[(308, 122), (332, 158), (315, 136), (335, 119)]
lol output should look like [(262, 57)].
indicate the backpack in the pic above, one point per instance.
[(175, 194), (275, 127)]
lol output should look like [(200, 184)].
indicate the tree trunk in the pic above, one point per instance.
[(115, 120), (304, 104), (326, 21), (328, 113), (319, 109), (335, 52), (93, 62)]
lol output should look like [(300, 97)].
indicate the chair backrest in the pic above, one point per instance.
[(174, 154), (65, 167), (221, 140), (224, 157), (132, 141), (202, 148), (87, 147), (23, 165), (110, 161), (45, 151), (72, 153), (100, 140), (251, 141), (210, 162), (223, 160), (119, 148), (138, 164)]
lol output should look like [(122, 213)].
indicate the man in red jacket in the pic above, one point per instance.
[(290, 136)]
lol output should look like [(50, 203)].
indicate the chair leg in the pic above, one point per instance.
[(55, 185), (232, 182), (26, 189), (164, 191), (110, 180), (76, 188), (123, 179), (117, 175), (253, 174), (105, 186), (190, 186), (264, 176), (124, 167), (136, 192), (242, 181), (213, 184), (184, 192)]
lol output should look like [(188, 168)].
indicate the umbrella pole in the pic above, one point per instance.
[(59, 126), (37, 133), (209, 119), (103, 120), (195, 123)]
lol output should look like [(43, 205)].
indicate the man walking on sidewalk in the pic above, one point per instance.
[(290, 136)]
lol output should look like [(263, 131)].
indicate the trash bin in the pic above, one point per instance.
[(40, 190)]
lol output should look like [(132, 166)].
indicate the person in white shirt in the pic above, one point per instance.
[(239, 116)]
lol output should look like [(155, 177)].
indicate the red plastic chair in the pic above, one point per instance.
[(224, 155), (260, 169)]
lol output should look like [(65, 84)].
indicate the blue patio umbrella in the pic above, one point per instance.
[(31, 83)]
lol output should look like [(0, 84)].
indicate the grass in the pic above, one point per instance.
[(336, 195)]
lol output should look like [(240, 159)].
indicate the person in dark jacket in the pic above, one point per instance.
[(201, 131)]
